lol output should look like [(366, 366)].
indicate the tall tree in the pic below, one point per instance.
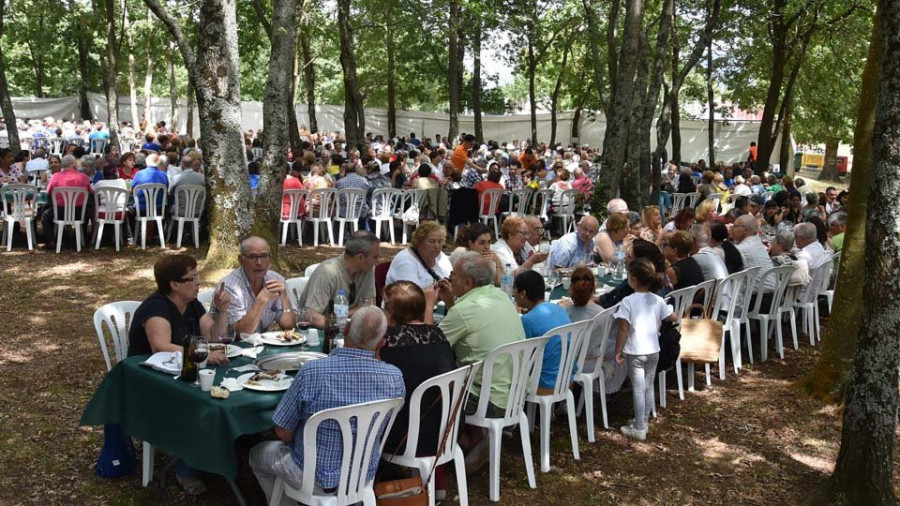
[(864, 470), (454, 70), (710, 104), (9, 115), (391, 69), (213, 69), (148, 76), (354, 114), (173, 88), (112, 64), (309, 69), (477, 35), (829, 378)]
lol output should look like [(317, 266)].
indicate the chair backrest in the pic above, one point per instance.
[(15, 198), (541, 203), (409, 198), (109, 203), (742, 306), (206, 297), (697, 180), (717, 198), (708, 288), (818, 282), (126, 144), (571, 341), (781, 276), (350, 203), (153, 197), (321, 203), (98, 145), (694, 198), (518, 201), (681, 299), (384, 202), (309, 270), (493, 201), (567, 202), (71, 197), (56, 145), (596, 335), (257, 153), (189, 201), (733, 284), (295, 288), (296, 198), (679, 200), (454, 388), (363, 427), (524, 357), (116, 316)]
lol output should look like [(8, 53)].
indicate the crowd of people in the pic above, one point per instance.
[(390, 350)]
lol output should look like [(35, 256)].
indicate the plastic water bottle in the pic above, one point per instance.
[(506, 280), (341, 308), (619, 260)]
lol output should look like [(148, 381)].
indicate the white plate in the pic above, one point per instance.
[(274, 339), (231, 350), (266, 385)]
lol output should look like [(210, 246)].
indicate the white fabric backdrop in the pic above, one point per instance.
[(733, 137)]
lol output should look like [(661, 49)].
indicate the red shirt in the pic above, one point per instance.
[(69, 178), (483, 186), (291, 183)]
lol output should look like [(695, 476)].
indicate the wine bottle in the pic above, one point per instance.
[(188, 366), (331, 329)]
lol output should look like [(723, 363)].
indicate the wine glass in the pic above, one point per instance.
[(199, 350), (304, 321), (228, 334)]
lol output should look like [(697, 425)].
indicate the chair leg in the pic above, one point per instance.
[(180, 233), (792, 317), (330, 228), (315, 234), (147, 463), (159, 230), (587, 397), (526, 453), (494, 464), (341, 234), (462, 486), (662, 389), (749, 340), (7, 234), (679, 378), (545, 436), (28, 234), (602, 387), (196, 224), (59, 236), (690, 377), (118, 229), (144, 234), (709, 375), (573, 429), (98, 234), (277, 492)]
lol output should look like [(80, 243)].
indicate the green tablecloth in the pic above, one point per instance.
[(179, 419), (607, 279)]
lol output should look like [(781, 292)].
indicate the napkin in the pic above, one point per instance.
[(168, 362), (251, 352), (254, 339), (231, 384)]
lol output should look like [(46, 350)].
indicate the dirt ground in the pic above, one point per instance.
[(752, 439)]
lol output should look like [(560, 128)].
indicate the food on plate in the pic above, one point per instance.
[(290, 336), (273, 375), (217, 347), (219, 393)]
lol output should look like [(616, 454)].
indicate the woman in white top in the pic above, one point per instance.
[(510, 248), (477, 238), (423, 262), (610, 241)]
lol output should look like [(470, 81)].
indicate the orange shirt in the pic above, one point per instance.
[(526, 160), (752, 158), (459, 156)]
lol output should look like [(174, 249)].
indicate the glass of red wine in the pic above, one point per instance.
[(304, 321), (199, 353)]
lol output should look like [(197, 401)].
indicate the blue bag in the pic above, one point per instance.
[(117, 458)]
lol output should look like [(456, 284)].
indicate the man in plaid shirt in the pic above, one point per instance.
[(350, 375)]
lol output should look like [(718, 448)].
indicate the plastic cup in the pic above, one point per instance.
[(312, 337), (567, 282), (206, 379)]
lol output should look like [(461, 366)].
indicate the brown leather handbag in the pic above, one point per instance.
[(701, 338)]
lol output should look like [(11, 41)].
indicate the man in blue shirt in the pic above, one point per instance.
[(528, 289), (575, 247), (148, 175), (350, 375)]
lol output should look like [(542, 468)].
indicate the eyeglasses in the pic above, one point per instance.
[(193, 279), (263, 257), (526, 233)]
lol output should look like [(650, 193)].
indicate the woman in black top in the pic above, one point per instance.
[(421, 351), (684, 271), (173, 312), (718, 238), (685, 183), (640, 248)]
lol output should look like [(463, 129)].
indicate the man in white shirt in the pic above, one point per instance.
[(810, 249), (753, 252), (712, 265)]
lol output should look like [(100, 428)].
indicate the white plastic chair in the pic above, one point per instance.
[(98, 146), (17, 209), (189, 202), (742, 310), (321, 213), (769, 319), (295, 287), (807, 303), (408, 199), (566, 210), (717, 198), (150, 193), (72, 215), (363, 429), (384, 201), (708, 288), (679, 202), (829, 292), (596, 339), (110, 212), (540, 204), (696, 180), (206, 297), (694, 199), (454, 390), (492, 197), (56, 145), (571, 359), (787, 307), (37, 176), (681, 300), (349, 206), (518, 202), (309, 270), (296, 198), (522, 357), (126, 144), (116, 317), (722, 303)]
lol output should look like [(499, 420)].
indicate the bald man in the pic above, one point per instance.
[(753, 252), (575, 247)]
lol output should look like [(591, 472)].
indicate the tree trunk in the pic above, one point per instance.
[(864, 470), (829, 170), (576, 121), (309, 78), (532, 99), (191, 99), (148, 82), (617, 127), (277, 103), (354, 122), (82, 42), (173, 89), (554, 97), (649, 161), (784, 151), (9, 115), (711, 103), (476, 79), (595, 40), (632, 188), (612, 37), (454, 65), (827, 381), (132, 88), (112, 79), (391, 74), (35, 48)]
